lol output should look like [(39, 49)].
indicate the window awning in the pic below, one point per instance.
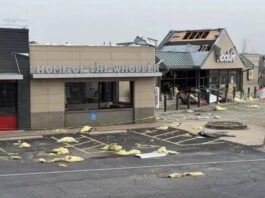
[(10, 76)]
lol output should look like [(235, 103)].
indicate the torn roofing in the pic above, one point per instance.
[(192, 37), (175, 60)]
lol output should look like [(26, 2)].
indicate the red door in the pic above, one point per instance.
[(8, 105)]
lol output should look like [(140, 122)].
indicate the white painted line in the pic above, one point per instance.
[(128, 168)]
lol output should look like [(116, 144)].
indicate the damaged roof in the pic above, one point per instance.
[(248, 64), (175, 60)]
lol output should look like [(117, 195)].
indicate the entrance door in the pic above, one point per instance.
[(8, 105)]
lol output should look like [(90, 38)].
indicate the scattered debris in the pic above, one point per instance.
[(186, 174), (60, 151), (189, 111), (151, 155), (67, 158), (163, 128), (112, 147), (67, 140), (229, 125), (24, 145), (175, 124), (219, 108), (238, 100), (144, 146), (197, 127), (86, 129), (130, 152), (40, 160), (253, 106), (215, 134), (217, 117), (62, 165), (15, 157), (164, 150), (61, 130), (250, 98)]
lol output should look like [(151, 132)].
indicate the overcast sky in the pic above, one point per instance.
[(98, 21)]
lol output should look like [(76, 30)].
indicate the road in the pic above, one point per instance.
[(230, 170)]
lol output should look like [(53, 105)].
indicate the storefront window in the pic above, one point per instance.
[(223, 78), (214, 78), (98, 95), (8, 97)]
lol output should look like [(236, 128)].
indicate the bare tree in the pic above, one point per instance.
[(244, 46)]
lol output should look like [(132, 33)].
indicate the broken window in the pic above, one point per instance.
[(187, 35), (98, 95)]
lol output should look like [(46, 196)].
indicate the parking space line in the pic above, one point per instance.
[(93, 146), (186, 140), (183, 135), (81, 143), (165, 133), (152, 137), (72, 146), (94, 139)]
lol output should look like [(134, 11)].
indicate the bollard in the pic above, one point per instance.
[(188, 103), (177, 101), (165, 102), (248, 92), (226, 93), (241, 93), (255, 92), (217, 97), (199, 99), (234, 93)]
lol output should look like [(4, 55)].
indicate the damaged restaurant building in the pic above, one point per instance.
[(200, 60), (72, 86)]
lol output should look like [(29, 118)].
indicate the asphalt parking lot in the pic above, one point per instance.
[(230, 170)]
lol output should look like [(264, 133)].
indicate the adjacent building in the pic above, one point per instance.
[(199, 59), (76, 85), (14, 79)]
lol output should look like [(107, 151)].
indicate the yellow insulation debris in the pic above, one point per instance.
[(67, 140), (219, 108), (24, 145), (86, 129), (163, 128), (130, 152), (112, 147), (164, 150), (60, 151)]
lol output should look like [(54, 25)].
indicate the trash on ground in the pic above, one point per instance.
[(130, 152), (189, 111), (250, 98), (24, 145), (163, 128), (67, 158), (197, 127), (150, 155), (185, 174), (238, 100), (70, 158), (15, 157), (62, 165), (175, 124), (40, 160), (217, 134), (217, 117), (60, 151), (112, 147), (86, 129), (253, 106), (164, 150), (67, 140), (61, 130), (219, 108)]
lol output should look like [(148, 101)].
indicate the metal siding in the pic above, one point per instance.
[(16, 40)]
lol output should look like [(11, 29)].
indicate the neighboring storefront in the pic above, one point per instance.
[(76, 85), (14, 79), (199, 59)]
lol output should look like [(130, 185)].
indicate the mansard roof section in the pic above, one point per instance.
[(203, 38)]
